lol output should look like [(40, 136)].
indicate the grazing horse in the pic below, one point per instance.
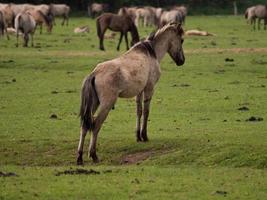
[(135, 73), (117, 23), (260, 12), (254, 12), (60, 10), (3, 25), (25, 23), (249, 15), (40, 19)]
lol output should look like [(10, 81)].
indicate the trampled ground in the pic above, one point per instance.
[(204, 143)]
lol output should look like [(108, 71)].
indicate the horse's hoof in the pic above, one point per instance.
[(102, 49), (95, 158)]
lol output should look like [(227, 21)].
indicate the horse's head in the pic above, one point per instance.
[(175, 49), (49, 21)]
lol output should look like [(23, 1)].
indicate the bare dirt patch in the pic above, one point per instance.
[(138, 157)]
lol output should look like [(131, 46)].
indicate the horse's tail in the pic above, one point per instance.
[(98, 27), (89, 102)]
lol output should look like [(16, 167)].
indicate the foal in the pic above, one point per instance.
[(135, 73)]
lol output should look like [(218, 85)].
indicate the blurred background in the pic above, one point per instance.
[(207, 7)]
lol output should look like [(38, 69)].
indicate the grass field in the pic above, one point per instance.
[(202, 143)]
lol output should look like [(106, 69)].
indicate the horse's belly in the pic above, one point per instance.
[(132, 88)]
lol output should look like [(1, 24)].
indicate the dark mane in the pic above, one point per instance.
[(146, 47)]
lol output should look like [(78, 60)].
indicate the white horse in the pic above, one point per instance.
[(135, 73), (25, 23)]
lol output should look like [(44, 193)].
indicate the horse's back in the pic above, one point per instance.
[(261, 11), (25, 22)]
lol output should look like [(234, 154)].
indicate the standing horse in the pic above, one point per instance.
[(135, 73), (117, 23), (3, 25), (254, 12), (96, 9), (170, 16), (25, 23), (40, 19), (60, 10), (260, 12)]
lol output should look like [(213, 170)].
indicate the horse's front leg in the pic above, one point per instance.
[(118, 47), (41, 28), (139, 99), (126, 40), (80, 147), (147, 99)]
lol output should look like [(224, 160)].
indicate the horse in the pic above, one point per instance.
[(254, 12), (19, 8), (25, 23), (171, 16), (40, 19), (133, 74), (96, 9), (9, 15), (260, 12), (3, 25), (146, 14), (131, 11), (183, 10), (60, 10), (117, 23), (250, 16)]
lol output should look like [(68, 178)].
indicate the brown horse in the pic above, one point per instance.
[(117, 23), (135, 73), (41, 18), (3, 25)]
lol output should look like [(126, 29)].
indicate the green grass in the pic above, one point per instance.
[(201, 145)]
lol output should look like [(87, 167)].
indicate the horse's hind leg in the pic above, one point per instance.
[(139, 99), (148, 92), (102, 115), (32, 39), (80, 147), (118, 47)]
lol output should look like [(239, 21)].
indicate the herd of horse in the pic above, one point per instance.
[(134, 73), (25, 18)]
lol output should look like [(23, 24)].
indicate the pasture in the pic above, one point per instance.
[(207, 125)]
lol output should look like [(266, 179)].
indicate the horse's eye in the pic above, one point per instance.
[(182, 41)]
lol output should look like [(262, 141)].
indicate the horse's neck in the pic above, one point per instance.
[(160, 46)]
